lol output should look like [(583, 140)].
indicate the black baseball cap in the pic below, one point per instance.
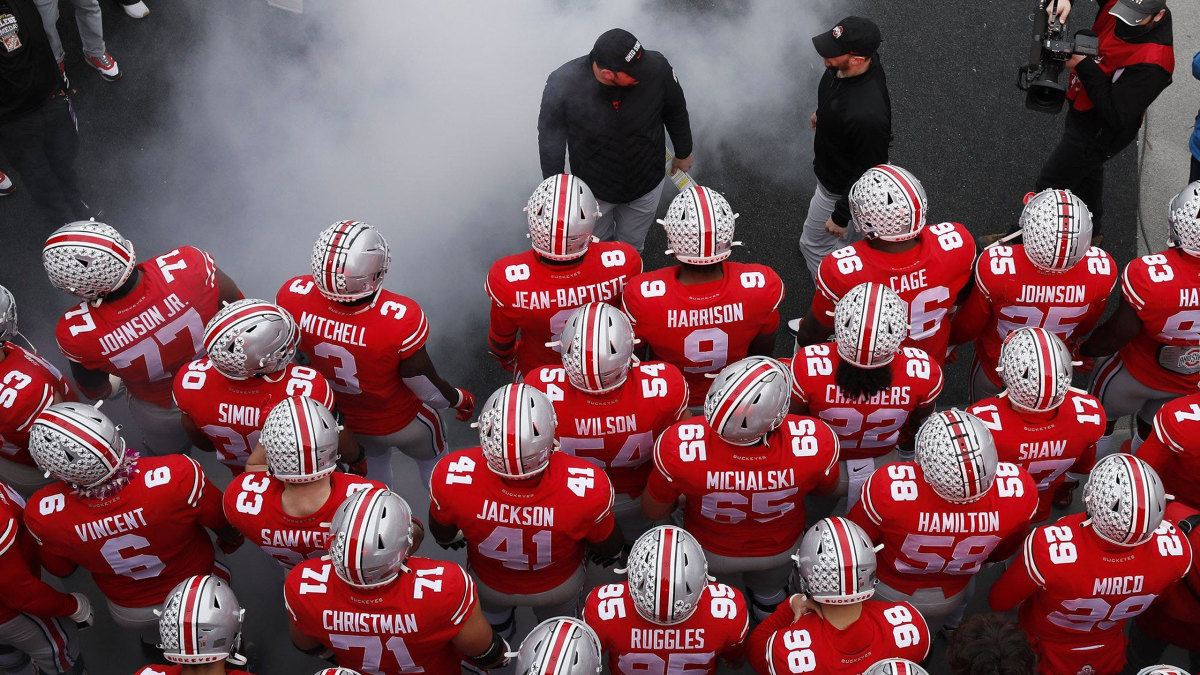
[(851, 35), (618, 50), (1134, 12)]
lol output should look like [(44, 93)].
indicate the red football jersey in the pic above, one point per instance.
[(1175, 616), (533, 298), (1048, 444), (359, 350), (704, 327), (1172, 449), (253, 504), (636, 646), (177, 669), (928, 278), (523, 536), (403, 627), (866, 427), (616, 430), (929, 542), (744, 501), (1164, 290), (886, 630), (231, 412), (24, 590), (148, 335), (139, 543), (28, 385)]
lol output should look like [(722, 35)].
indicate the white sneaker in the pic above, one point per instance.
[(137, 10), (6, 185), (793, 326)]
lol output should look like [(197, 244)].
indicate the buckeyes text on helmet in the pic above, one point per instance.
[(249, 338), (869, 323), (1183, 219), (667, 574), (699, 225), (957, 456), (562, 214), (349, 261), (835, 562), (1056, 228), (888, 203), (1036, 368), (748, 399), (88, 259), (597, 347), (77, 444), (300, 437), (516, 431), (200, 622), (1124, 499), (560, 646), (372, 535)]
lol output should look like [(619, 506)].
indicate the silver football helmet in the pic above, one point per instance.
[(597, 347), (562, 214), (1056, 227), (1162, 670), (699, 226), (250, 337), (869, 323), (76, 444), (1124, 499), (88, 259), (957, 455), (1183, 219), (560, 646), (667, 574), (835, 563), (200, 622), (1036, 368), (372, 537), (748, 399), (8, 315), (516, 430), (300, 437), (349, 261), (338, 671), (888, 203), (895, 667)]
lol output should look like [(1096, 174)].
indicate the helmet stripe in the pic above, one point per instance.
[(742, 388), (303, 424), (67, 421), (89, 240), (235, 319), (553, 659), (664, 593), (958, 429), (1049, 374), (909, 190), (847, 556), (357, 533), (512, 429), (336, 252), (592, 334), (189, 614), (867, 338), (707, 219), (1139, 511), (1067, 228), (562, 213)]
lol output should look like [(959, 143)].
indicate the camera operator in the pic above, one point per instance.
[(1109, 95)]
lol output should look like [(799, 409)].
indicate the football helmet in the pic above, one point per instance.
[(251, 337), (349, 261), (869, 323), (88, 259), (1124, 499), (300, 437), (338, 671), (835, 563), (8, 315), (560, 646), (1162, 670), (1183, 219), (895, 667), (597, 347), (957, 455), (748, 399), (1056, 227), (516, 430), (372, 537), (562, 214), (699, 226), (888, 203), (200, 622), (1036, 369), (667, 574), (76, 444)]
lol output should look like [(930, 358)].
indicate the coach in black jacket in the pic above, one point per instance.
[(608, 109)]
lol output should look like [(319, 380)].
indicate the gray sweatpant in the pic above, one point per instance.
[(87, 17), (628, 222), (815, 242)]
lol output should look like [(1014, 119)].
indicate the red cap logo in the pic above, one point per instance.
[(837, 32)]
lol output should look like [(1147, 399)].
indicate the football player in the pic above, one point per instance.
[(37, 622), (561, 646), (1040, 422), (743, 472), (1081, 579), (706, 312), (285, 510), (382, 611), (1173, 452), (370, 344), (534, 292), (139, 525), (668, 618), (1174, 618), (928, 267), (609, 410), (224, 397), (1041, 283), (1155, 330), (28, 385), (835, 566), (138, 323), (990, 643), (526, 513), (873, 393), (943, 517), (201, 629)]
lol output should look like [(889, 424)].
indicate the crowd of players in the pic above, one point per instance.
[(648, 428)]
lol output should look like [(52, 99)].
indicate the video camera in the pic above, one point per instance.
[(1040, 78)]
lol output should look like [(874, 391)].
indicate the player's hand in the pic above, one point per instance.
[(465, 405), (116, 388), (1083, 364), (813, 121), (835, 229), (507, 360), (229, 545), (1074, 60), (454, 544), (602, 561), (358, 468), (801, 605), (84, 614), (952, 354), (1064, 10), (683, 164)]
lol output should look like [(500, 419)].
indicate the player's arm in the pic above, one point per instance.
[(93, 384), (1153, 452), (865, 519), (26, 593), (970, 320), (607, 550), (446, 536), (502, 338), (421, 377), (756, 644), (1121, 327), (763, 344), (915, 419), (307, 643), (812, 330), (211, 511), (1014, 586), (227, 290), (479, 643), (198, 438)]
